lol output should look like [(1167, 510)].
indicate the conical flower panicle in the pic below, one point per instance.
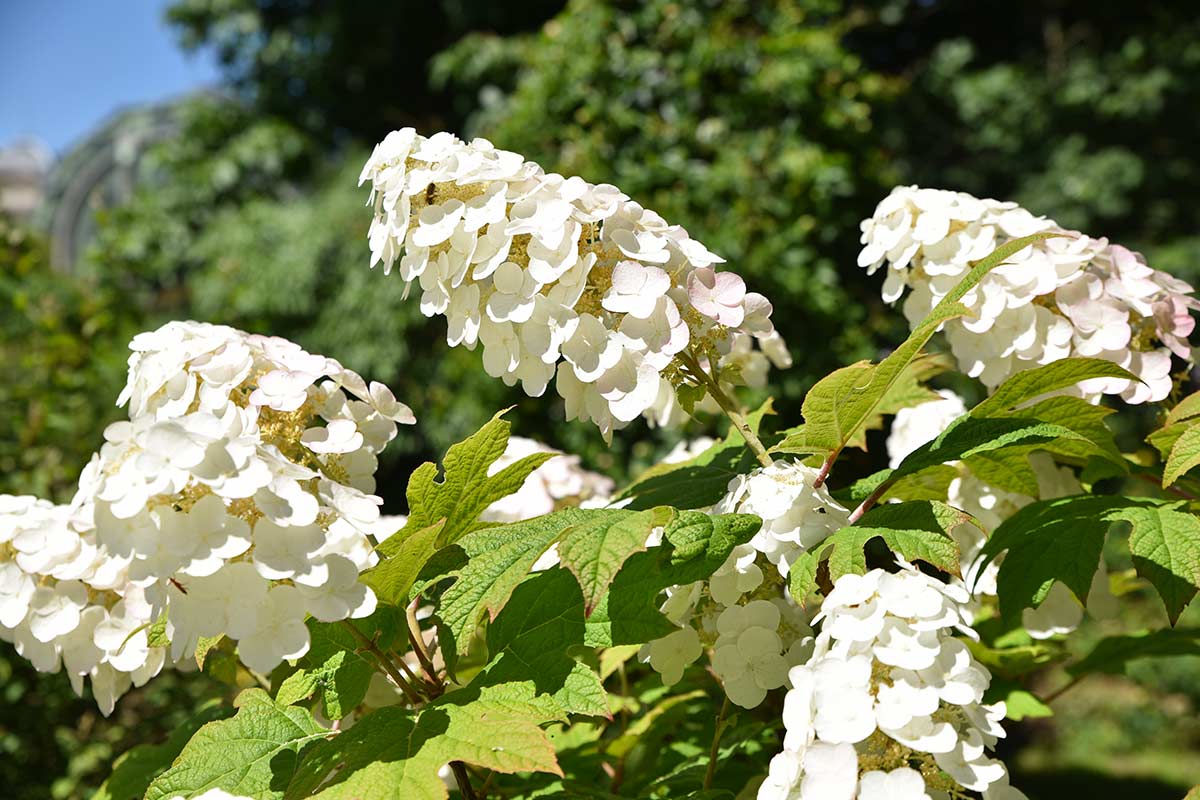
[(1065, 296), (560, 279)]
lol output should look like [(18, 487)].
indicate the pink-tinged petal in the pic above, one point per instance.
[(758, 311), (629, 277), (731, 316), (730, 289), (705, 277), (700, 284), (657, 282)]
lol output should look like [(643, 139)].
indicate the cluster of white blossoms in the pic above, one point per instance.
[(1065, 296), (890, 704), (1059, 612), (797, 514), (559, 278), (236, 500), (66, 604), (744, 612)]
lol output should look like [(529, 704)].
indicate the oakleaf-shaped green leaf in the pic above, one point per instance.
[(204, 646), (929, 484), (532, 638), (971, 436), (1186, 408), (1184, 455), (1014, 662), (1165, 545), (699, 541), (1007, 469), (694, 546), (807, 574), (701, 481), (499, 558), (255, 753), (1164, 438), (1019, 703), (1051, 540), (1061, 539), (466, 489), (907, 391), (917, 531), (135, 769), (396, 753), (393, 577), (1073, 413), (1029, 384), (594, 551)]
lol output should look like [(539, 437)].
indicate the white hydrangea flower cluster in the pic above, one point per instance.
[(236, 500), (557, 277), (240, 489), (1060, 612), (890, 704), (744, 612), (757, 642), (752, 643), (66, 604), (796, 513), (1068, 296)]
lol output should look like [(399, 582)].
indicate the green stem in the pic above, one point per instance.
[(385, 663), (418, 646), (487, 784), (711, 772), (1060, 691), (729, 406), (408, 673), (1157, 481)]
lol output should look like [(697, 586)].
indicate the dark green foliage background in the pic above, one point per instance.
[(767, 129)]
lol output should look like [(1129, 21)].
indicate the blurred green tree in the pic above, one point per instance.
[(60, 350), (1081, 109), (344, 70), (751, 124)]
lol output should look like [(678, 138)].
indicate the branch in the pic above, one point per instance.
[(826, 466), (729, 406), (1157, 482), (463, 779), (869, 501), (1060, 691), (711, 771), (418, 645), (385, 663)]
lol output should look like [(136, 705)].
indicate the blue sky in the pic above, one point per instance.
[(65, 65)]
